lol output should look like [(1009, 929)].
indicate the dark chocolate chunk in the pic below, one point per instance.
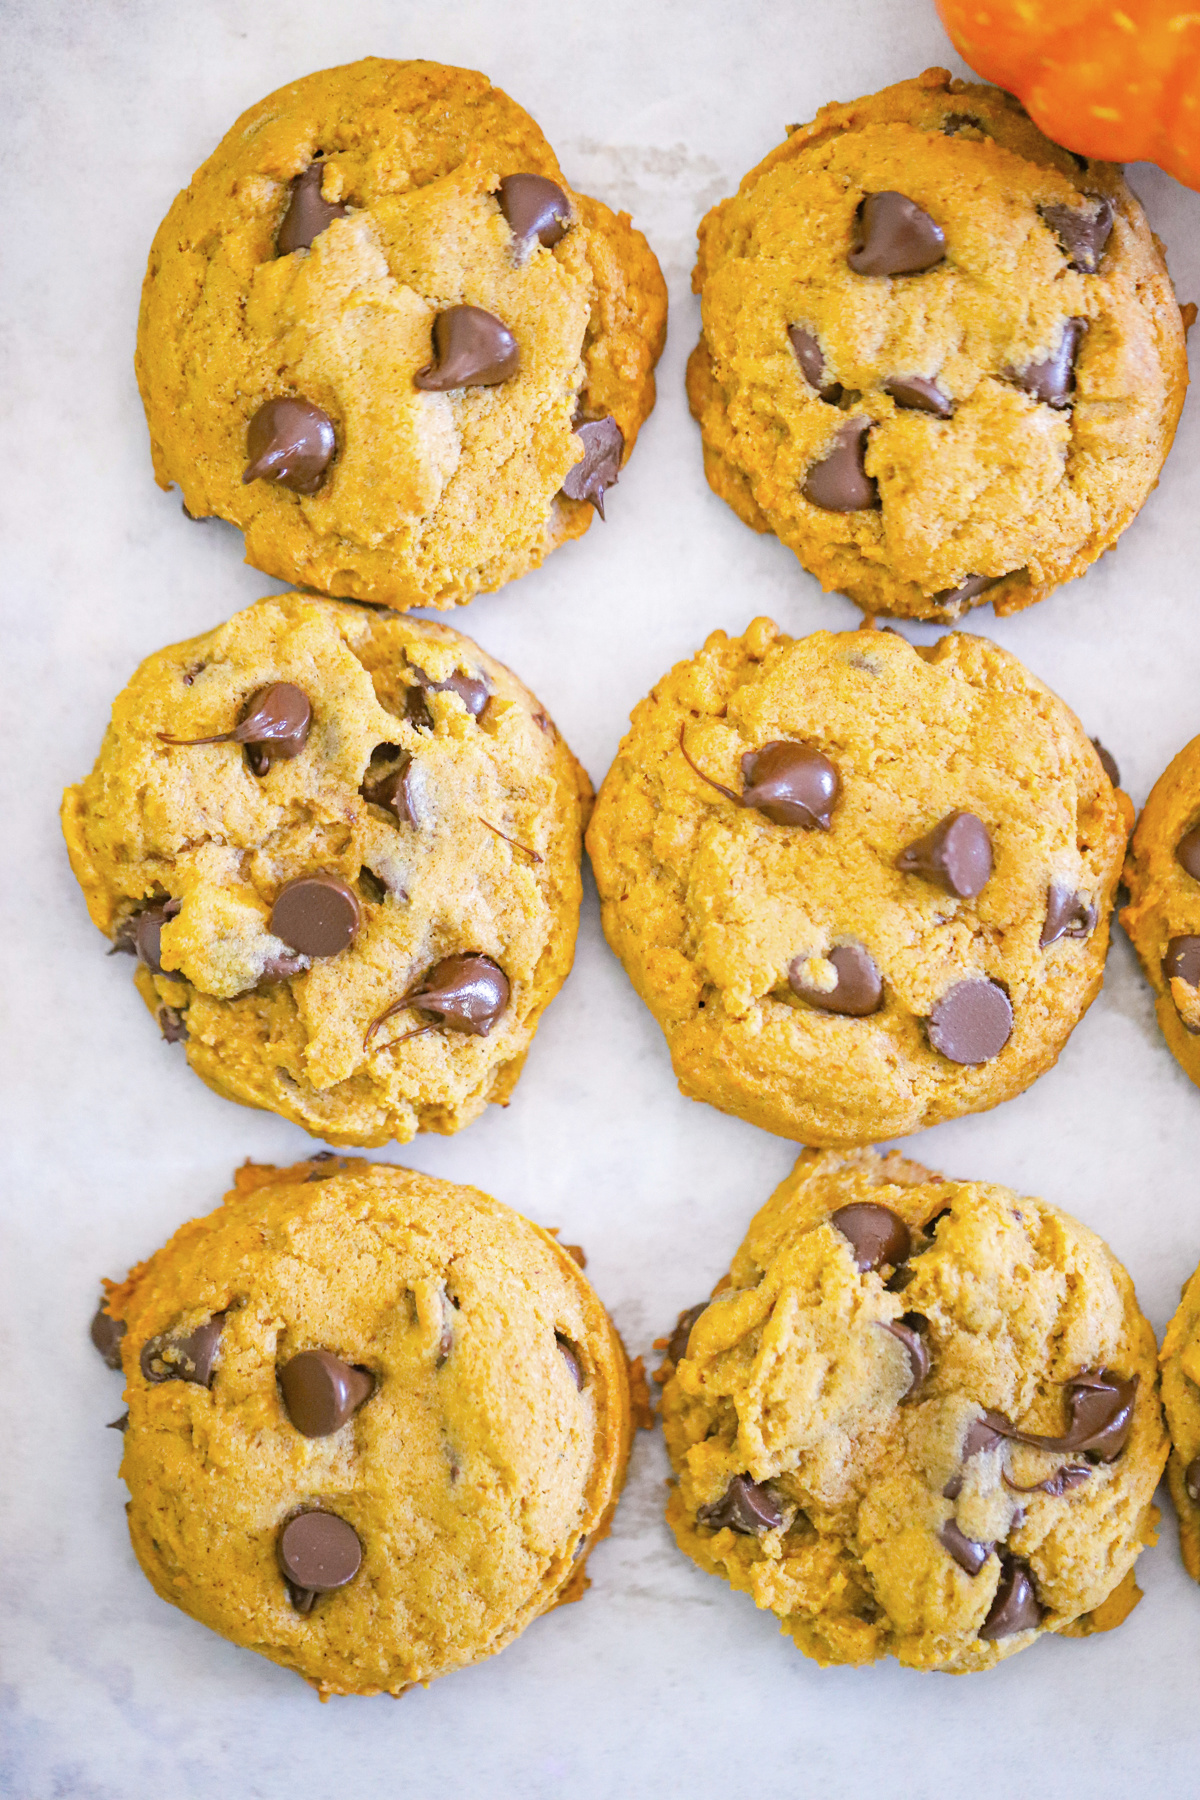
[(471, 348), (1191, 1479), (839, 482), (537, 210), (1108, 762), (317, 915), (957, 854), (1053, 379), (1187, 852), (747, 1507), (320, 1391), (678, 1341), (290, 442), (318, 1552), (1083, 234), (466, 993), (1071, 1475), (859, 988), (307, 214), (919, 1359), (570, 1355), (894, 237), (190, 1358), (793, 784), (1182, 961), (1016, 1606), (875, 1233), (274, 724), (1101, 1405), (972, 1021), (920, 394), (811, 358), (147, 933), (968, 1553), (1068, 914), (603, 447), (106, 1334), (391, 791)]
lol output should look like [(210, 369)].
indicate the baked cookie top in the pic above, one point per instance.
[(374, 1421), (862, 887), (1162, 873), (941, 357), (919, 1418), (380, 334), (355, 915), (1180, 1363)]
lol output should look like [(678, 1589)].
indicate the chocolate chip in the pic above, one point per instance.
[(1068, 914), (536, 209), (1101, 1405), (317, 915), (471, 348), (747, 1507), (875, 1233), (147, 933), (1108, 762), (1083, 235), (920, 394), (793, 784), (678, 1342), (171, 1024), (570, 1356), (320, 1391), (318, 1552), (968, 1553), (273, 725), (603, 447), (466, 993), (1182, 961), (957, 854), (1053, 379), (281, 966), (811, 358), (290, 442), (307, 214), (1071, 1475), (839, 482), (391, 791), (1016, 1606), (895, 237), (859, 987), (983, 1435), (191, 1358), (970, 589), (952, 123), (121, 1424), (972, 1021), (473, 690), (106, 1334), (1191, 1479), (919, 1359), (1187, 852)]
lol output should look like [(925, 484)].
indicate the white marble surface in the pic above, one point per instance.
[(662, 1682)]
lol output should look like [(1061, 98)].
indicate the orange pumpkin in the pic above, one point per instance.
[(1120, 83)]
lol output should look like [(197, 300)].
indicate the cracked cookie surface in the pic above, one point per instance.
[(806, 981), (484, 1461), (1012, 400), (1162, 918), (874, 1494), (476, 856), (430, 496)]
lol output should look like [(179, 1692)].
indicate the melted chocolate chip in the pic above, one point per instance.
[(391, 791), (1108, 762), (875, 1233), (307, 214), (471, 348), (793, 784), (603, 447), (106, 1333), (273, 725), (570, 1355), (1071, 1475), (282, 966), (983, 1435), (967, 1552), (747, 1507), (1191, 1479), (811, 358), (537, 211), (894, 237), (1016, 1606), (919, 1359), (1101, 1405), (1068, 914), (147, 933), (972, 1021), (318, 1552), (969, 589), (290, 442), (317, 915), (171, 1024), (190, 1358), (473, 690), (859, 987), (839, 482), (1182, 961), (1083, 235), (957, 854), (678, 1341), (466, 993), (1187, 852), (321, 1392), (920, 394), (1053, 379)]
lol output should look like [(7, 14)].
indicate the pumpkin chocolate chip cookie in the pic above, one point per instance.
[(375, 1421), (1180, 1363), (344, 847), (381, 335), (862, 887), (919, 1418), (1162, 873), (941, 357)]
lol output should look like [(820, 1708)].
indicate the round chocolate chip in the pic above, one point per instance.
[(147, 933), (1182, 961), (466, 993), (321, 1392), (1187, 852), (471, 348), (537, 210), (192, 1357), (274, 723), (792, 784), (956, 854), (317, 915), (1016, 1606), (597, 470), (858, 990), (391, 789), (678, 1342), (318, 1552), (968, 1553), (1082, 232), (747, 1507), (106, 1334), (1068, 914), (968, 589), (972, 1021), (908, 1330), (307, 214), (290, 442), (811, 357), (1191, 1479), (473, 690), (839, 482), (875, 1233), (895, 237), (1053, 379), (920, 394)]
